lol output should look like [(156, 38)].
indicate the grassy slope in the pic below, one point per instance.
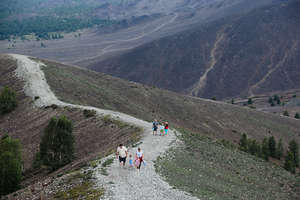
[(94, 136), (223, 121), (210, 170)]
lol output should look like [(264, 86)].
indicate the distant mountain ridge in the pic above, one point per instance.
[(248, 54)]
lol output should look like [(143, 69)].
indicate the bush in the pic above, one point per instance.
[(289, 165), (286, 113), (8, 100), (265, 149), (279, 152), (272, 147), (244, 143), (10, 165), (57, 145), (250, 101), (294, 149), (89, 113), (297, 116)]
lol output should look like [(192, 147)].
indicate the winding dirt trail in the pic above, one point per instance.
[(203, 79), (121, 183)]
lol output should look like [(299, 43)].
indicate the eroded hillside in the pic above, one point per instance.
[(248, 54)]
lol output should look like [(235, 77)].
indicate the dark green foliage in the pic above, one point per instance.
[(286, 113), (297, 116), (89, 113), (294, 96), (8, 100), (272, 147), (250, 101), (270, 100), (279, 150), (244, 143), (57, 145), (232, 101), (265, 149), (214, 98), (37, 162), (10, 165), (254, 147), (289, 164), (294, 149)]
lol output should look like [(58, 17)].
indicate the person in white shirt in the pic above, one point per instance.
[(139, 156), (122, 154)]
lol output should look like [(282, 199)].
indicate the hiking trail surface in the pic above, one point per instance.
[(120, 183)]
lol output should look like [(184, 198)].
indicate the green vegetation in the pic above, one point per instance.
[(57, 145), (50, 19), (208, 169), (8, 100), (292, 158), (297, 116), (279, 153), (89, 113), (10, 165), (286, 113), (274, 99), (250, 101)]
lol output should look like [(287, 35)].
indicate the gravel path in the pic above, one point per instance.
[(121, 183)]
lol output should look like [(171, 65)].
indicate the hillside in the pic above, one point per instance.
[(200, 117), (210, 118), (251, 53), (93, 135)]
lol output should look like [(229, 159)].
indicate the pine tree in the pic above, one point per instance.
[(297, 116), (8, 100), (272, 147), (279, 150), (57, 145), (265, 149), (244, 143), (286, 113), (10, 165), (294, 149), (289, 164)]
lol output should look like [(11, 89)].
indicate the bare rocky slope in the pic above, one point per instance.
[(252, 53)]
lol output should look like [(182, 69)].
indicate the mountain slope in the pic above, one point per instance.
[(215, 119), (251, 54), (93, 135)]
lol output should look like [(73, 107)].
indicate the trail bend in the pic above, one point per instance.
[(127, 183)]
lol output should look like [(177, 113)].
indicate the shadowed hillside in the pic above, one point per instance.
[(248, 54), (215, 119)]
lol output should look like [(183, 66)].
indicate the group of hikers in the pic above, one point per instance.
[(122, 152), (163, 128)]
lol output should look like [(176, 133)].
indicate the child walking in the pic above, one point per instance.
[(130, 161), (166, 128)]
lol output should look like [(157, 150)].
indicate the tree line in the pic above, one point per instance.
[(270, 148)]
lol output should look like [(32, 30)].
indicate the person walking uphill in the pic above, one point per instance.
[(166, 128), (139, 157), (155, 127), (122, 153)]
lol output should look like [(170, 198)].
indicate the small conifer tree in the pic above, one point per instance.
[(250, 101), (289, 164), (294, 149), (297, 116), (10, 165), (286, 113), (244, 143), (265, 149), (8, 100), (272, 147), (279, 149), (57, 145)]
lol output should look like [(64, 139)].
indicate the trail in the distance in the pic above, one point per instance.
[(117, 42), (121, 183)]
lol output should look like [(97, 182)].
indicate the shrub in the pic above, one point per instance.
[(294, 149), (57, 145), (250, 101), (244, 143), (297, 116), (8, 100), (89, 113), (265, 152), (289, 165), (279, 152), (286, 113), (272, 146), (10, 165)]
